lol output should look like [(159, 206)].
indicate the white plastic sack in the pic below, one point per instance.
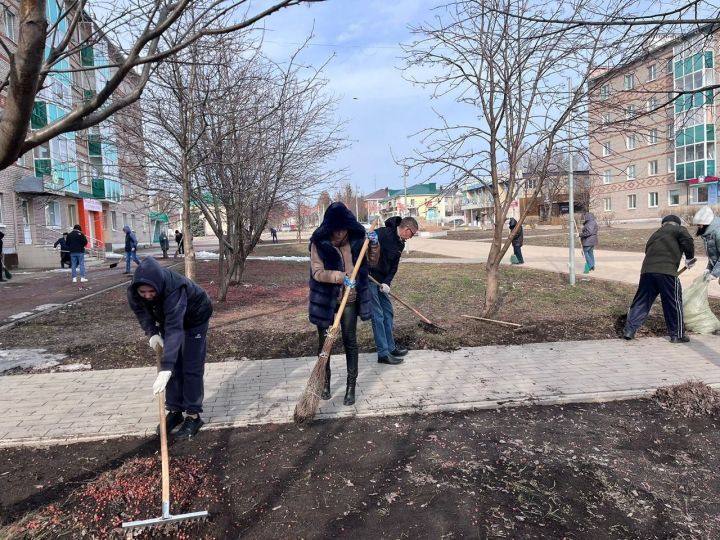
[(696, 308)]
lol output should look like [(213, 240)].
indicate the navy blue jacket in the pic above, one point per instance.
[(130, 240), (391, 248), (180, 305), (518, 240), (324, 296), (76, 241)]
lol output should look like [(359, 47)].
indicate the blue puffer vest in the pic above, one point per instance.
[(324, 296)]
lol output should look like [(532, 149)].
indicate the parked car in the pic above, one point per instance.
[(285, 227)]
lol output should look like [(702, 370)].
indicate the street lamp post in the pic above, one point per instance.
[(571, 201)]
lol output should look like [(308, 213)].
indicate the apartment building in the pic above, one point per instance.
[(94, 178), (427, 202), (652, 132)]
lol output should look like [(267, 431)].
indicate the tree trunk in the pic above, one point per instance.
[(25, 67), (491, 289), (187, 230)]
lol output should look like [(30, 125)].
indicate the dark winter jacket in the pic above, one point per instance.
[(178, 237), (180, 305), (130, 240), (665, 249), (589, 233), (62, 243), (711, 237), (391, 248), (518, 240), (76, 241), (323, 299), (2, 235), (164, 241)]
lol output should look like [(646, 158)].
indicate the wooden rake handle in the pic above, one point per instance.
[(164, 456), (422, 317)]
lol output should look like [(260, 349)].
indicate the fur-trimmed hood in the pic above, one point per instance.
[(338, 216)]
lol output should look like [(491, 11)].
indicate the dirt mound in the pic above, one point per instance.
[(689, 399), (132, 492)]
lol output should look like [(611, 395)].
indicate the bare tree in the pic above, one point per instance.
[(510, 74), (270, 130), (152, 32)]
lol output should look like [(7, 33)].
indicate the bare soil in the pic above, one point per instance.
[(266, 315), (617, 470)]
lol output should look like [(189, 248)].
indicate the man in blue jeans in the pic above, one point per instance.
[(392, 239), (76, 242), (130, 248), (174, 312)]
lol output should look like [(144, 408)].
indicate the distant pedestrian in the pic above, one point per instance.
[(709, 230), (174, 312), (179, 241), (131, 244), (589, 239), (64, 253), (76, 242), (517, 242), (273, 234), (334, 250), (392, 238), (2, 261), (658, 275), (164, 243)]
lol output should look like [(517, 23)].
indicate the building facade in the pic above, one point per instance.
[(652, 132), (94, 178)]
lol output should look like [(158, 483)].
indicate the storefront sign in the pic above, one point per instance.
[(703, 180), (92, 205)]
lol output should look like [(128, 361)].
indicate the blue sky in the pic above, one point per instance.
[(381, 108)]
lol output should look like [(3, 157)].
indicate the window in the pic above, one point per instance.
[(605, 91), (630, 141), (671, 164), (629, 81), (652, 167), (651, 104), (673, 197), (2, 205), (605, 119), (10, 25), (653, 136), (607, 204), (113, 219), (606, 149), (669, 66), (607, 177), (631, 172), (72, 215), (52, 214), (652, 75), (132, 222), (530, 183), (124, 216), (653, 199), (699, 195), (629, 112), (671, 132), (632, 202)]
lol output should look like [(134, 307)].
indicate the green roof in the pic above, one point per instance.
[(418, 189)]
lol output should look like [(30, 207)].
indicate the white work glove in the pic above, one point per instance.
[(161, 381), (156, 341), (385, 288), (708, 276)]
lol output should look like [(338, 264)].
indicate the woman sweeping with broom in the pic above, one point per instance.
[(335, 247)]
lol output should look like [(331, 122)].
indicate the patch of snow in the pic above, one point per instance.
[(113, 255), (20, 315), (63, 270), (74, 367), (206, 255), (282, 259), (45, 307), (28, 358)]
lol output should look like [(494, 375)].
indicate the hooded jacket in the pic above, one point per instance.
[(518, 240), (130, 239), (711, 238), (76, 241), (180, 305), (391, 248), (323, 298), (589, 233), (665, 248), (2, 235)]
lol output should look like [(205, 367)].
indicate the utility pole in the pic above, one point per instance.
[(571, 198), (357, 214), (405, 175)]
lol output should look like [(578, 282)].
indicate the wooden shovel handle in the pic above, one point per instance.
[(164, 457), (423, 318)]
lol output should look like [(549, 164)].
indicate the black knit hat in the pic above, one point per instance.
[(671, 219)]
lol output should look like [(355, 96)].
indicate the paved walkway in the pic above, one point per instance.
[(623, 266), (64, 407)]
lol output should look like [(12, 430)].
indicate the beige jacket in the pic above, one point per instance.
[(335, 276)]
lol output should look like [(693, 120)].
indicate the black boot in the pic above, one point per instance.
[(350, 392), (326, 388)]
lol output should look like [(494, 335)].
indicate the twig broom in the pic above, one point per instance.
[(310, 399)]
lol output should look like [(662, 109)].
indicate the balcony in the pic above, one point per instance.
[(107, 190)]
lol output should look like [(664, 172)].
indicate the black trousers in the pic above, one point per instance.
[(670, 291), (185, 391), (517, 250), (348, 324)]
